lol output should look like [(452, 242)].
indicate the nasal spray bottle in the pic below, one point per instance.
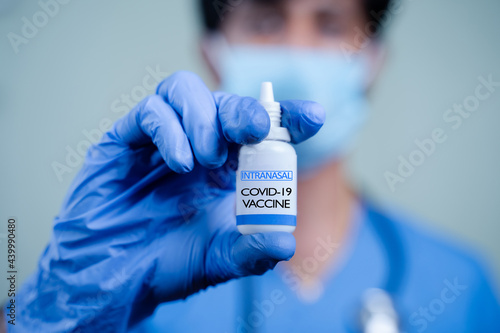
[(266, 183)]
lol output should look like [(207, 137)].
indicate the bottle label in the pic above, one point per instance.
[(266, 196)]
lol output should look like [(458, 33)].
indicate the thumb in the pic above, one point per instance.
[(257, 253), (229, 255), (250, 255)]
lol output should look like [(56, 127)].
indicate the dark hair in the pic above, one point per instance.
[(213, 11)]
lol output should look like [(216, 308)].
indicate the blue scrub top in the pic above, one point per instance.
[(442, 289)]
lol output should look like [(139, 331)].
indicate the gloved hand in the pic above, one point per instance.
[(150, 217)]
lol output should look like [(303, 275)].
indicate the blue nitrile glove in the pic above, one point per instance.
[(150, 217)]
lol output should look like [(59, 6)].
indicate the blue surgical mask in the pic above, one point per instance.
[(331, 79)]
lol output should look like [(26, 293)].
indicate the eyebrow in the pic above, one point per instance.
[(268, 2), (328, 10)]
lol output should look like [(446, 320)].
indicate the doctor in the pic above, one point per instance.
[(148, 225)]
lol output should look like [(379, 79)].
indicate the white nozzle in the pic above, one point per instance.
[(277, 132), (266, 92), (267, 101)]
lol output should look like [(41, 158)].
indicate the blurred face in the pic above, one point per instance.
[(326, 24), (306, 49)]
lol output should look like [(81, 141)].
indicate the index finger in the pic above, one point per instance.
[(186, 93)]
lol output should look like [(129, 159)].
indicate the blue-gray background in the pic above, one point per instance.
[(65, 79)]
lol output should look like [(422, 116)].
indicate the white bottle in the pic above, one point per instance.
[(266, 183)]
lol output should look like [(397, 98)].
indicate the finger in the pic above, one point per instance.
[(255, 254), (152, 120), (243, 255), (194, 103), (302, 118), (243, 119)]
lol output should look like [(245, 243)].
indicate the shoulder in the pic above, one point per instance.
[(443, 278), (429, 250)]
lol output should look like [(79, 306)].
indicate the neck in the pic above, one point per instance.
[(324, 207)]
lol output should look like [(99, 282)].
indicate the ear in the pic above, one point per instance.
[(377, 55), (208, 47)]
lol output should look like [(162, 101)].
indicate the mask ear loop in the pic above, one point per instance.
[(375, 55), (214, 45), (372, 56)]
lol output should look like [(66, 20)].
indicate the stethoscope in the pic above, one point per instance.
[(378, 312)]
